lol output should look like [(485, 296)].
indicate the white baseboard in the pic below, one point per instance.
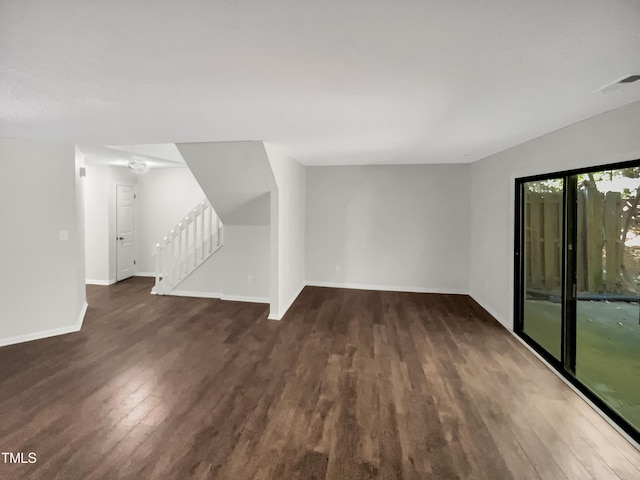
[(83, 312), (360, 286), (105, 283), (387, 288), (145, 274), (217, 295), (241, 298), (187, 293), (47, 333), (280, 315), (491, 311), (506, 326), (578, 392)]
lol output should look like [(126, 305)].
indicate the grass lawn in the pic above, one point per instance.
[(607, 349)]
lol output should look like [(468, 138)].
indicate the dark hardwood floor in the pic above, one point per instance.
[(350, 385)]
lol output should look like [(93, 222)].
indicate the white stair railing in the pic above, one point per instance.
[(187, 245)]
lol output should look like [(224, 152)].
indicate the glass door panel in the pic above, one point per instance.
[(542, 263), (607, 288)]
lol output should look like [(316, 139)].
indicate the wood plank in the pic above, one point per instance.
[(352, 384)]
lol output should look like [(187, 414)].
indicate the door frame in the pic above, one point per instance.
[(566, 366), (518, 262)]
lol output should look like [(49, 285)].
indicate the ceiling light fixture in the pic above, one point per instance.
[(137, 165)]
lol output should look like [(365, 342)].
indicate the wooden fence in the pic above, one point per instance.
[(543, 240), (600, 247)]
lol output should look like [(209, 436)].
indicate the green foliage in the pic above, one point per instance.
[(552, 185), (618, 180)]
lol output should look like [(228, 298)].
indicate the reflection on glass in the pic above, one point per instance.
[(608, 280), (542, 228)]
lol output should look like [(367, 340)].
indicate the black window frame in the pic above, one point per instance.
[(566, 365)]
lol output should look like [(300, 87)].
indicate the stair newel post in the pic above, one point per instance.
[(161, 274), (177, 243), (180, 249), (171, 258), (157, 255), (164, 272), (185, 249), (194, 223), (174, 260), (185, 262), (167, 261), (176, 256), (159, 266), (210, 230), (203, 209)]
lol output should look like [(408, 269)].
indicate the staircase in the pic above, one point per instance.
[(187, 245)]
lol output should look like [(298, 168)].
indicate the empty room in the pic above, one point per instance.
[(320, 240)]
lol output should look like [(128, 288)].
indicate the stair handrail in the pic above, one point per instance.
[(191, 241)]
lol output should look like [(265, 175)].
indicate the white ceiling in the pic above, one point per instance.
[(330, 82), (166, 152)]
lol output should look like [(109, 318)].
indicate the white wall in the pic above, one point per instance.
[(235, 177), (274, 260), (611, 137), (246, 252), (400, 227), (97, 224), (226, 274), (100, 220), (165, 196), (289, 244), (80, 208), (41, 287), (207, 280)]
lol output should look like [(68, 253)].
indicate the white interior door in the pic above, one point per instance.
[(125, 246)]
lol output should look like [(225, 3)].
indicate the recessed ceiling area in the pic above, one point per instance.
[(151, 156), (329, 82)]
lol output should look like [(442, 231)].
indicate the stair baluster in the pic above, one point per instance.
[(182, 250)]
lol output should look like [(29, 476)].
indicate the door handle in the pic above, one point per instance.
[(119, 238)]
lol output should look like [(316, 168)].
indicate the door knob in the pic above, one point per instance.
[(120, 238)]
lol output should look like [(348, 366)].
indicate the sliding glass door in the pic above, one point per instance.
[(608, 276), (578, 281)]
